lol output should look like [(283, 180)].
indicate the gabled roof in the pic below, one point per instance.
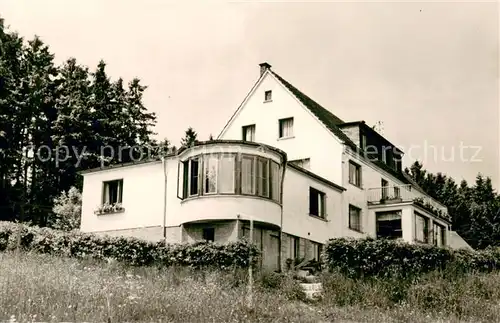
[(330, 120)]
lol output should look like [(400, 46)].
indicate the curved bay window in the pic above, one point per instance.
[(229, 174)]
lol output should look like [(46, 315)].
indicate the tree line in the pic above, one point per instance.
[(475, 209), (44, 105)]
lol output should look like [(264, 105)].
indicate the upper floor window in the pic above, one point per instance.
[(354, 218), (268, 96), (286, 128), (112, 192), (397, 192), (354, 174), (316, 202), (248, 132), (194, 176), (421, 228), (224, 173), (363, 142), (263, 177), (385, 188)]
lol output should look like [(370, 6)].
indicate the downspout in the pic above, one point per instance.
[(164, 165), (281, 215)]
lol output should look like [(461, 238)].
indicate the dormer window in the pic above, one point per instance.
[(286, 128), (268, 96)]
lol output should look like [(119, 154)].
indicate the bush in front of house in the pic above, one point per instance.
[(129, 250), (368, 257)]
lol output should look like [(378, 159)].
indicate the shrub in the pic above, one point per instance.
[(67, 210), (395, 259), (129, 250)]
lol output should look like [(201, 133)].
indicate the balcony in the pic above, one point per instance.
[(403, 194)]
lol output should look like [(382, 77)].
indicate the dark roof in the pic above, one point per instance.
[(350, 123), (330, 120), (334, 123)]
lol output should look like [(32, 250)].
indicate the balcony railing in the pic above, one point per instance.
[(405, 193)]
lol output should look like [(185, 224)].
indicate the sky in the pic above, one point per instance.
[(428, 71)]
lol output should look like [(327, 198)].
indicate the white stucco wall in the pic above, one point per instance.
[(142, 198), (311, 138), (371, 178), (296, 218)]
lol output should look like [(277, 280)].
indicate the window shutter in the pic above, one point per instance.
[(181, 180)]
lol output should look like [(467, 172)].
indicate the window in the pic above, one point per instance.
[(211, 167), (194, 175), (397, 192), (112, 192), (389, 224), (354, 174), (439, 235), (229, 173), (226, 181), (421, 228), (275, 181), (304, 163), (317, 250), (363, 141), (316, 202), (286, 128), (262, 177), (354, 218), (248, 175), (294, 247), (209, 234), (249, 133), (385, 188), (268, 96)]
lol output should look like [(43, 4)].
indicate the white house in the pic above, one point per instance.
[(299, 172)]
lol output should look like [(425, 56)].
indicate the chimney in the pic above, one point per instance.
[(264, 67)]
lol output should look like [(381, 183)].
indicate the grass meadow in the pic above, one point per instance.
[(44, 288)]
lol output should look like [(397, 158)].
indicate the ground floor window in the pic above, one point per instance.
[(294, 248), (354, 218), (209, 234), (317, 250), (439, 235), (421, 228), (389, 225)]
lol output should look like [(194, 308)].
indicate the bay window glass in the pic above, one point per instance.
[(223, 173), (275, 181), (194, 175), (247, 175), (262, 177), (226, 180), (211, 168)]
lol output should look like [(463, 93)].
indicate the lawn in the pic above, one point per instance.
[(37, 287)]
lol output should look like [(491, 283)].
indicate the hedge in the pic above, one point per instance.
[(129, 250), (390, 258)]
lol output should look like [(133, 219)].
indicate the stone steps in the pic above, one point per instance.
[(312, 290)]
